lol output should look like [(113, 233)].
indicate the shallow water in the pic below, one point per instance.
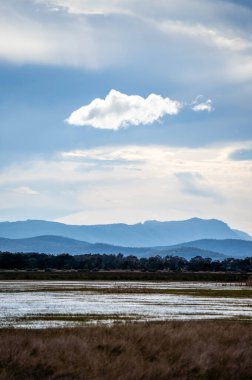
[(20, 301)]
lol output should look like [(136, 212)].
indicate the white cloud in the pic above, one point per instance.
[(119, 110), (198, 105), (220, 38), (26, 190), (87, 7), (36, 37)]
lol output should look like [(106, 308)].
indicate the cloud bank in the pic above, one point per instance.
[(89, 187), (119, 110)]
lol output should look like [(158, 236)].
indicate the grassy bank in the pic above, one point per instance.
[(172, 350), (125, 276)]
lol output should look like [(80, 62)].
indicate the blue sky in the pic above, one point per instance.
[(126, 110)]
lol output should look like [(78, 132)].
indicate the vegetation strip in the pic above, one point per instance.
[(89, 262), (79, 317), (111, 318), (158, 276)]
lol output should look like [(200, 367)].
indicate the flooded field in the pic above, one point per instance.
[(36, 304)]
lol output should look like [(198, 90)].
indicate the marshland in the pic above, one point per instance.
[(145, 326)]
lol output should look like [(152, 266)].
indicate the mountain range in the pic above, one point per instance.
[(147, 234), (194, 237)]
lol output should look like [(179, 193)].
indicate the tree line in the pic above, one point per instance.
[(96, 262)]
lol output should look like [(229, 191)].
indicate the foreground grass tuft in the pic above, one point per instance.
[(170, 350)]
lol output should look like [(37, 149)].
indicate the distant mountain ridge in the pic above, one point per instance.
[(212, 248), (147, 234)]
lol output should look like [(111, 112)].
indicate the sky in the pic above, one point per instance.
[(126, 110)]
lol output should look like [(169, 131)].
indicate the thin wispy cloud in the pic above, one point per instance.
[(199, 106), (119, 110), (212, 36), (195, 184), (87, 7), (26, 190)]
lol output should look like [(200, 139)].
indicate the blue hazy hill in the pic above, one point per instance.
[(147, 234), (59, 245), (213, 248), (228, 247)]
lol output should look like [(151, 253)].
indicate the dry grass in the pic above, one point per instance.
[(171, 350)]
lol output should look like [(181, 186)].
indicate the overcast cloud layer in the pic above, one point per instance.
[(161, 91)]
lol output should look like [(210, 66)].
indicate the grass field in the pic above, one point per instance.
[(170, 350)]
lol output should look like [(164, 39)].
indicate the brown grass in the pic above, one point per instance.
[(161, 351)]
